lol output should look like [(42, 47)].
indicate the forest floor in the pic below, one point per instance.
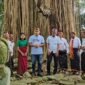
[(58, 79)]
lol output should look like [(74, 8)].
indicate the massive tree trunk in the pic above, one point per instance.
[(24, 15)]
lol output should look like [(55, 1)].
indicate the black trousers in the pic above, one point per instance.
[(75, 61), (83, 61), (49, 59), (63, 59), (10, 64)]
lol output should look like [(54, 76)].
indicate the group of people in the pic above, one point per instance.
[(57, 48)]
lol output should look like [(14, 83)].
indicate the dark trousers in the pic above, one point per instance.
[(37, 58), (75, 61), (49, 59), (63, 59), (83, 61), (10, 64)]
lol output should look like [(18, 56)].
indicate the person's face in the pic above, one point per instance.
[(22, 36), (6, 35), (37, 32), (72, 35), (53, 32), (61, 34), (56, 32), (11, 36)]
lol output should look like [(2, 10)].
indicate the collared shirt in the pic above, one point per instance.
[(36, 40), (83, 45), (76, 42), (83, 42), (53, 43), (64, 45), (11, 47)]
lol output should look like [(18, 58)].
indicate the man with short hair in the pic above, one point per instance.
[(75, 45), (11, 57), (52, 50), (63, 51), (36, 42)]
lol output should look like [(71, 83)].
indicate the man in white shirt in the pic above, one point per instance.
[(75, 44), (52, 51), (63, 51), (83, 56), (11, 51)]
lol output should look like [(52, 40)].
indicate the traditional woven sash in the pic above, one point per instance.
[(71, 49)]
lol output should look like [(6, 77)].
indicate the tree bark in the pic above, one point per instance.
[(24, 15)]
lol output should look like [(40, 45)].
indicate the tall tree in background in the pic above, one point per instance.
[(24, 15), (1, 16)]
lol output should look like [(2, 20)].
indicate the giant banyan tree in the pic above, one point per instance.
[(24, 15)]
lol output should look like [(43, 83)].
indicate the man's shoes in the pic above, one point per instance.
[(77, 73), (40, 75), (19, 76), (33, 74), (54, 72), (48, 74)]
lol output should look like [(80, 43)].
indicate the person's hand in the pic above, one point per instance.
[(68, 54), (57, 54), (22, 54), (83, 47), (48, 52), (37, 45), (26, 54)]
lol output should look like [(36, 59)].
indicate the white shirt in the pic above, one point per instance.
[(53, 43), (36, 40), (64, 45), (11, 47), (76, 42), (83, 42)]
